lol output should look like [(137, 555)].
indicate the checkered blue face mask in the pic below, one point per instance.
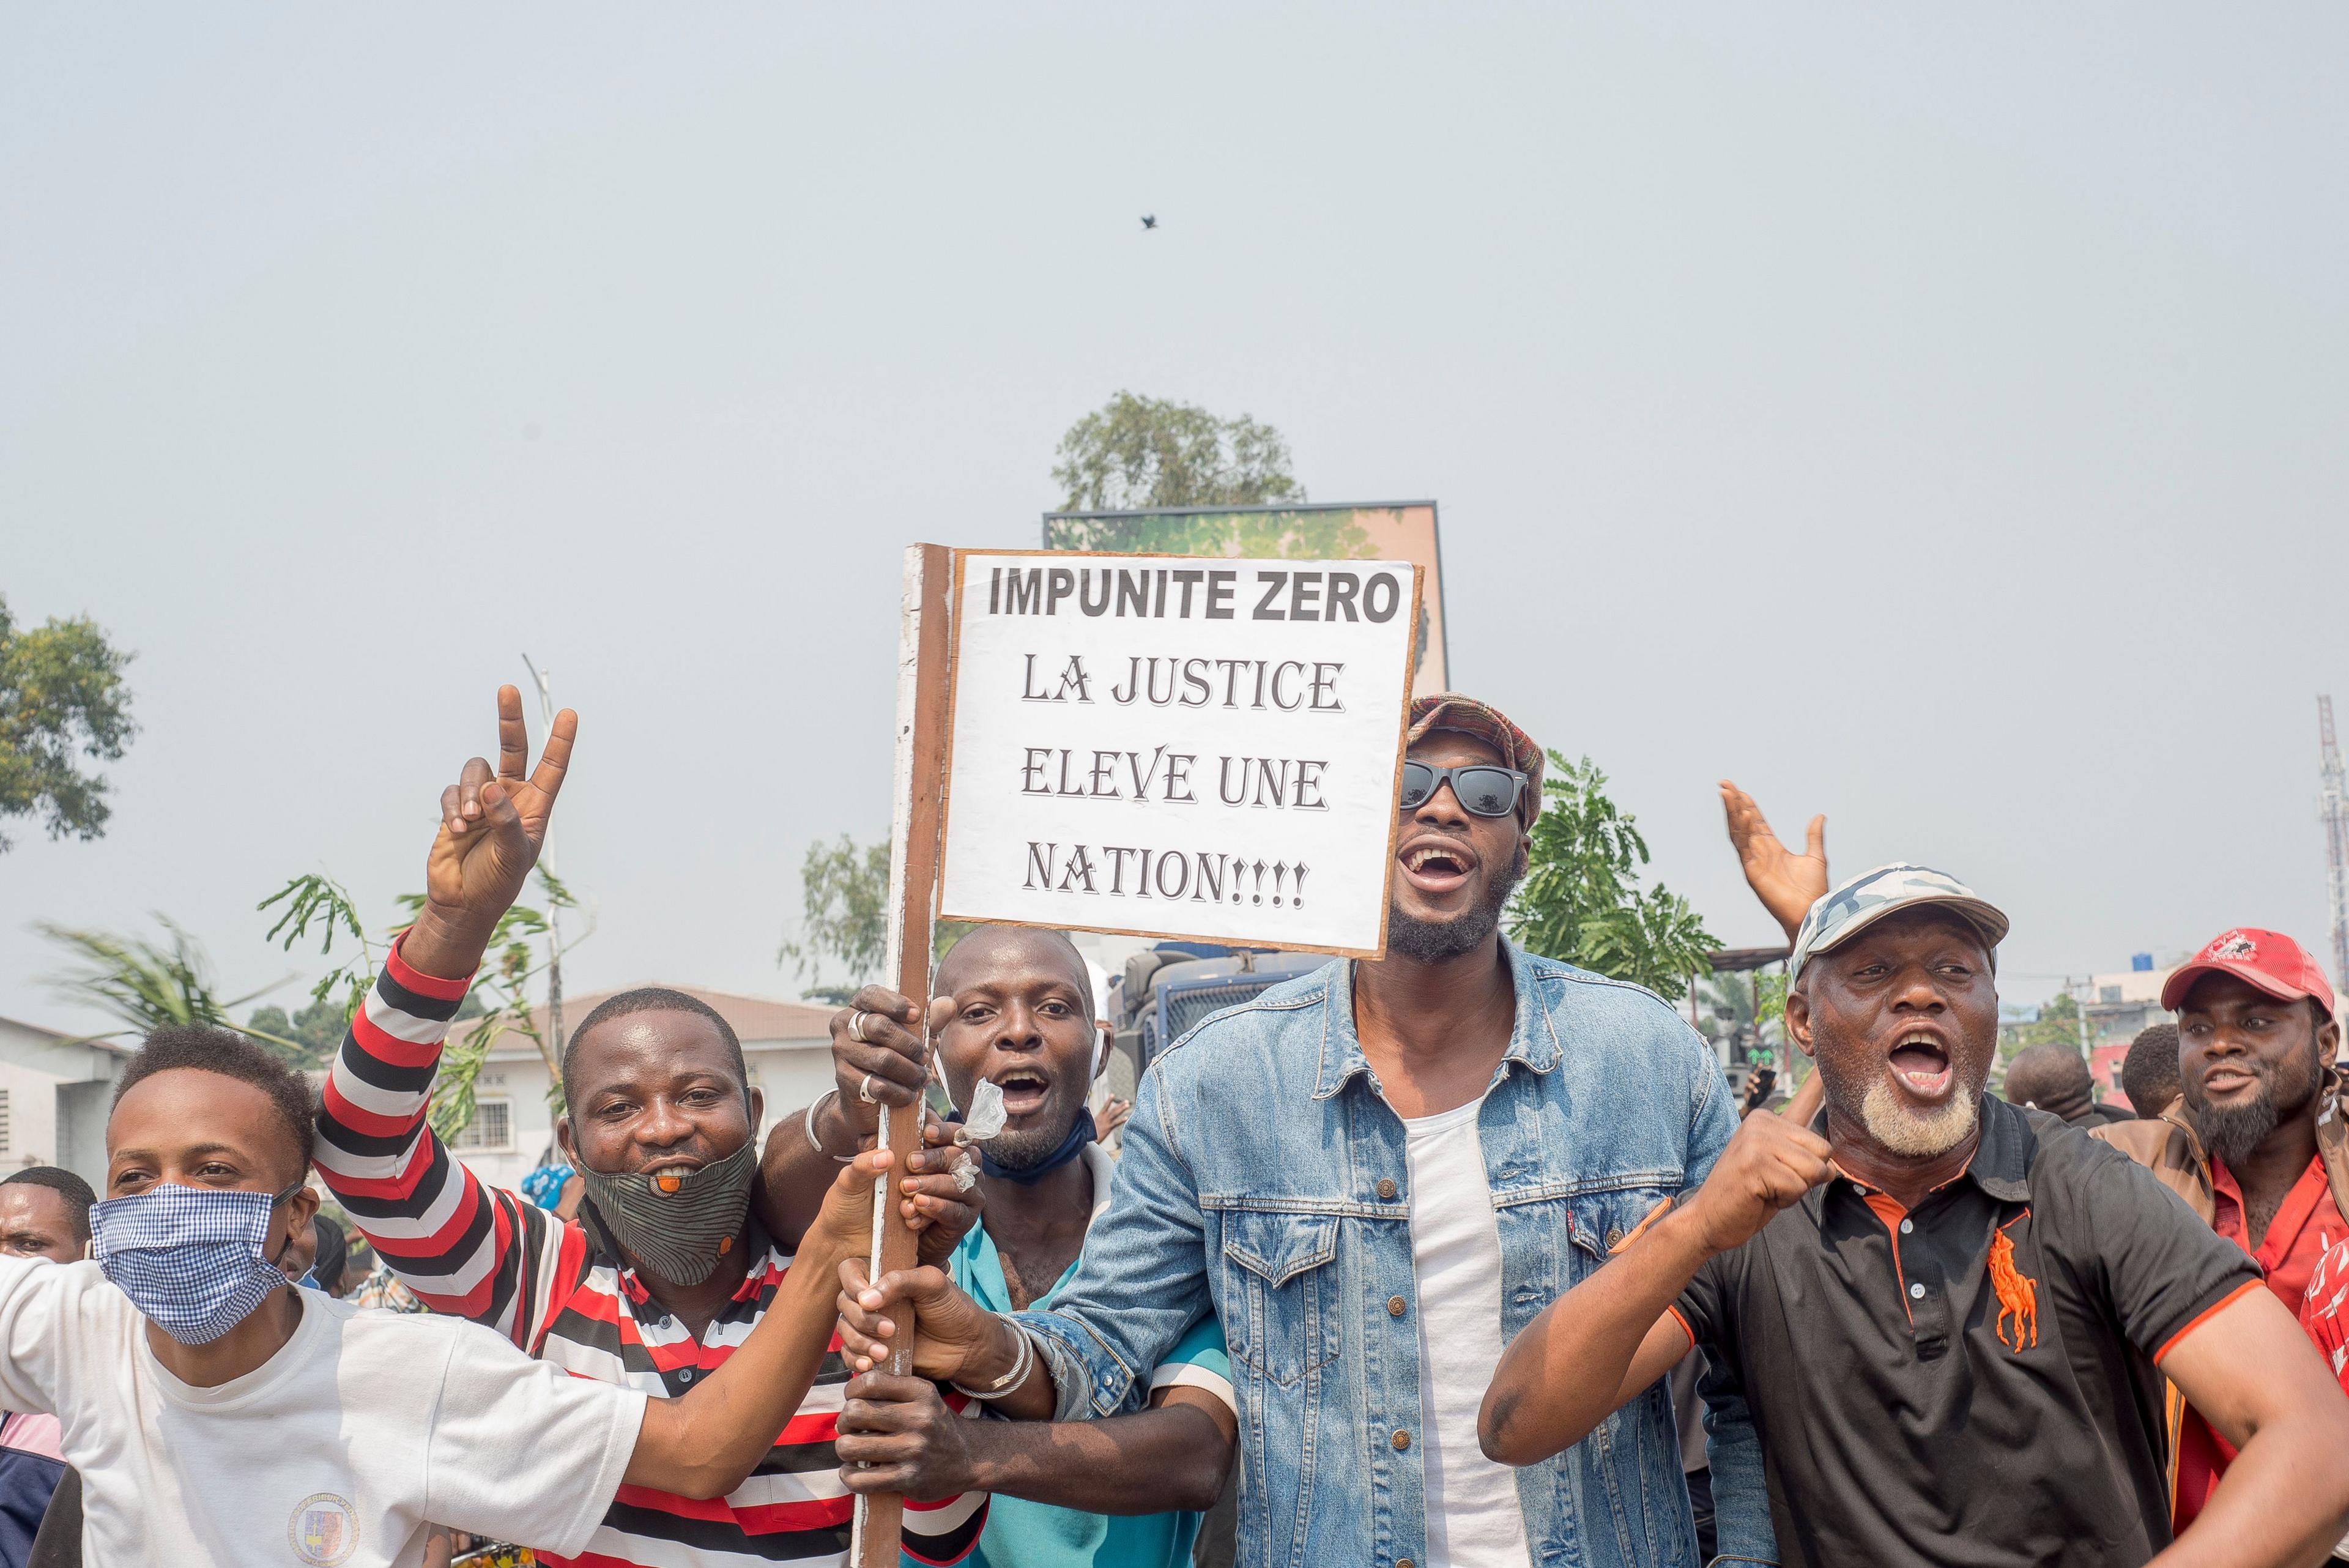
[(190, 1258)]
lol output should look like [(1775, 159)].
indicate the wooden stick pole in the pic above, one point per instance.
[(913, 878)]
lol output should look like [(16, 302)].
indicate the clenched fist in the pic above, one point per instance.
[(1768, 1166)]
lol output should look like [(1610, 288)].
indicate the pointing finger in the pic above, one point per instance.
[(513, 735), (554, 762)]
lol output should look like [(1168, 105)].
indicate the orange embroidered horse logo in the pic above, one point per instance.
[(2018, 1297)]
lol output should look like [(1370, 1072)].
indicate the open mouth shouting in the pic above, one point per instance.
[(1920, 1065), (1025, 1090), (1436, 863)]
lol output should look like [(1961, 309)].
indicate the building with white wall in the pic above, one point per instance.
[(787, 1045), (55, 1091)]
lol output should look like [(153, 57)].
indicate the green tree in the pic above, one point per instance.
[(844, 919), (317, 1029), (147, 985), (520, 950), (1581, 900), (2058, 1023), (61, 698), (1144, 453)]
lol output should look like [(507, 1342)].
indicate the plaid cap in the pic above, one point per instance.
[(1869, 897), (2268, 959), (1451, 711)]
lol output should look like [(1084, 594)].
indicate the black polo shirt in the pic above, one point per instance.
[(1972, 1381)]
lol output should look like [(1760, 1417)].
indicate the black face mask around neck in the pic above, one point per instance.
[(678, 1222), (1081, 1133)]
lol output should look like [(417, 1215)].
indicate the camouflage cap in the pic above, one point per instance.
[(1451, 711), (1867, 898)]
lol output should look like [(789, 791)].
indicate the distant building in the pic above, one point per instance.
[(56, 1090), (787, 1045), (2115, 1009)]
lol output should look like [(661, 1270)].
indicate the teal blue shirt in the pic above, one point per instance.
[(1024, 1534)]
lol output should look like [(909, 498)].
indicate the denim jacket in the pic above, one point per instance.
[(1265, 1178)]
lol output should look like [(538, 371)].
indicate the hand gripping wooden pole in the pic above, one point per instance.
[(922, 692)]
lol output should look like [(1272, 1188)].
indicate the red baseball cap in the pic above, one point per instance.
[(2268, 959)]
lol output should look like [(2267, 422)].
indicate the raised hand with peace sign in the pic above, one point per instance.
[(491, 826)]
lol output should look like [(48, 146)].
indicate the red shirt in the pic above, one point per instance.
[(2325, 1315), (2306, 1227)]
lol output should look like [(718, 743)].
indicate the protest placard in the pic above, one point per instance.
[(1177, 746), (1355, 530)]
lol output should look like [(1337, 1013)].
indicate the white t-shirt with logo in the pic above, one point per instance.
[(1474, 1519), (334, 1453)]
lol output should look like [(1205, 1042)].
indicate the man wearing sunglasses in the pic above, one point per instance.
[(1375, 1175)]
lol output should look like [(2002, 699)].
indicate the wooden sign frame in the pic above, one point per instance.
[(915, 841), (927, 644)]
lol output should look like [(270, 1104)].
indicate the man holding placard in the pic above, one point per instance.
[(1016, 1036), (1375, 1175)]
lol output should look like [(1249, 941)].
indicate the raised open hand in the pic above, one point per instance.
[(1787, 884)]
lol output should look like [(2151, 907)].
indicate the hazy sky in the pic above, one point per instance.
[(1933, 419)]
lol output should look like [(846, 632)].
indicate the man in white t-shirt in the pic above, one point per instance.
[(217, 1414)]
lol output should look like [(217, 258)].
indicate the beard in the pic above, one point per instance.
[(2233, 1132), (1432, 942), (1913, 1134)]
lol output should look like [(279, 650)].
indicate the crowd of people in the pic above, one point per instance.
[(1461, 1257)]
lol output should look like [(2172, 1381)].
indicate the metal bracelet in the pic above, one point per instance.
[(807, 1125), (1008, 1384)]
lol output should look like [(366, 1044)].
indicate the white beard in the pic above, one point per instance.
[(1917, 1134)]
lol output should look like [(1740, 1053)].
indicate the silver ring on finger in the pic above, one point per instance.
[(865, 1091), (856, 1027)]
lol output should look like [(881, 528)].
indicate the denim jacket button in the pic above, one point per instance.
[(1401, 1440), (1402, 1562), (1614, 1237), (1386, 1187), (1395, 1305)]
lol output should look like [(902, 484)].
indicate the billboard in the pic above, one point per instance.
[(1366, 531)]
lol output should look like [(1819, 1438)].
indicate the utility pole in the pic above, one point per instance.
[(545, 684), (2333, 807)]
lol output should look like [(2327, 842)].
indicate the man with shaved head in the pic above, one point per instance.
[(1013, 1007), (2054, 1078)]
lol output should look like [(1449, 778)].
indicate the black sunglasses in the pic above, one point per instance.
[(1482, 789)]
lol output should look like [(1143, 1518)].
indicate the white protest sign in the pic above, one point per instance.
[(1170, 746)]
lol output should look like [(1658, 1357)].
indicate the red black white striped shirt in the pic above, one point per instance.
[(561, 1292)]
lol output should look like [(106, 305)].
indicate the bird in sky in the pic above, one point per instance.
[(1149, 220)]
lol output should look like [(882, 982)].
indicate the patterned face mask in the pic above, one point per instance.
[(190, 1258), (679, 1222)]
